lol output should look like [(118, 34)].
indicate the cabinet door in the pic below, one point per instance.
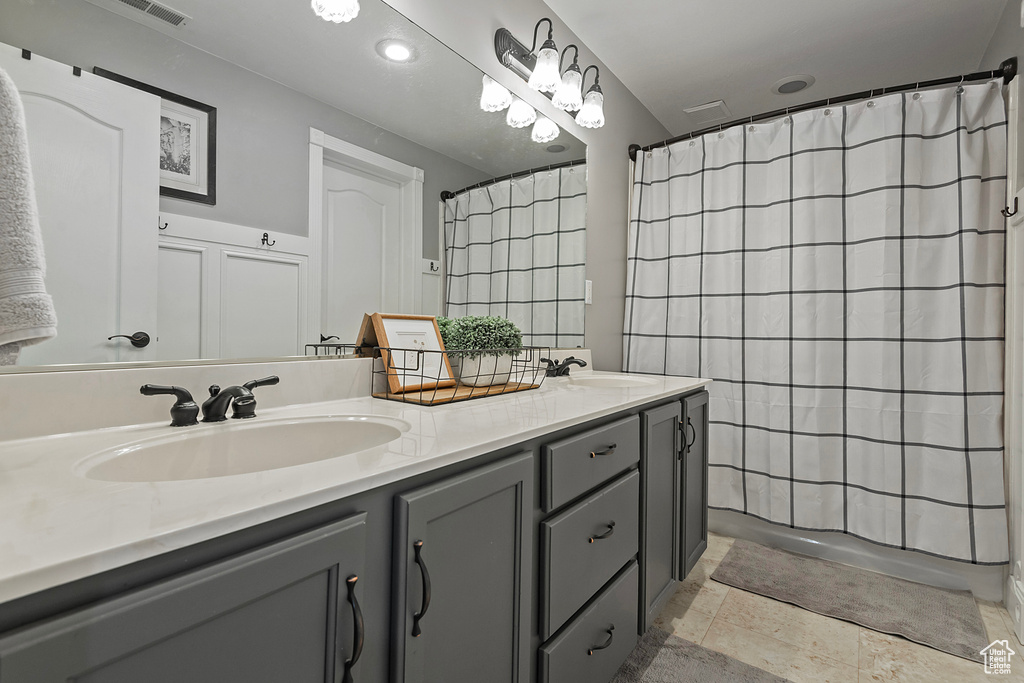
[(695, 481), (463, 577), (660, 471), (279, 613)]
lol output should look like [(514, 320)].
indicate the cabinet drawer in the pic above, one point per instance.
[(577, 561), (579, 463), (571, 657)]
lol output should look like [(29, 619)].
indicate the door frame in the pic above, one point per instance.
[(326, 148)]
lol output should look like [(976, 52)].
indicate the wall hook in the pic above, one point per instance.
[(1007, 213), (160, 227), (266, 240), (433, 268)]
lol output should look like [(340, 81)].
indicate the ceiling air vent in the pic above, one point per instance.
[(145, 12), (708, 113), (163, 13)]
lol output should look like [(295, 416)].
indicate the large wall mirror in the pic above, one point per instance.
[(242, 277)]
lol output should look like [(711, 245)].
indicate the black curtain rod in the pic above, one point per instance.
[(1008, 70), (446, 195)]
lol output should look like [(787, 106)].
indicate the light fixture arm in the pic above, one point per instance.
[(597, 76), (575, 57), (551, 32)]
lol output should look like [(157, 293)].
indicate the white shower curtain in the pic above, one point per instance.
[(839, 273), (517, 249)]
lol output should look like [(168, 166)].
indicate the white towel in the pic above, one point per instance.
[(26, 310)]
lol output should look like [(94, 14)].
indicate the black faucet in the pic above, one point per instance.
[(184, 410), (556, 369), (243, 403)]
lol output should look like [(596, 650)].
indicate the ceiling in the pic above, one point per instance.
[(676, 54), (433, 101)]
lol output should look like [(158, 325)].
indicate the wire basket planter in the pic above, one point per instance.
[(331, 349), (428, 377)]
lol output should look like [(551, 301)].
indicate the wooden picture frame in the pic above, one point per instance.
[(412, 351), (188, 143)]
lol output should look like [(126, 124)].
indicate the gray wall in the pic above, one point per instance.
[(468, 26), (1008, 39), (262, 126)]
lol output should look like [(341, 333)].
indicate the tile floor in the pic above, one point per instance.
[(803, 646)]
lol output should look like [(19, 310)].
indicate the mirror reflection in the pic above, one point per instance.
[(330, 161)]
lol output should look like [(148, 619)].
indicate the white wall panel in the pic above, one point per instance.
[(180, 301)]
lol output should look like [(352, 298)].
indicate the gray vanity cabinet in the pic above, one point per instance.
[(277, 613), (462, 580), (694, 459), (660, 508)]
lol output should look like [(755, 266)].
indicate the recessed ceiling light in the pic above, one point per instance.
[(396, 50), (555, 149), (792, 84)]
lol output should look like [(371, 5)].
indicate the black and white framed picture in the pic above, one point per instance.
[(188, 143)]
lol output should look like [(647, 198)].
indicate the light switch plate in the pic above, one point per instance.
[(588, 292)]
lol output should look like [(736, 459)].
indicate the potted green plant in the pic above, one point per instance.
[(484, 346)]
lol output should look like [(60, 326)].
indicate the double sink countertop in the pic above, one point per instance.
[(58, 525)]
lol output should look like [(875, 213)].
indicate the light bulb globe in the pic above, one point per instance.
[(520, 114), (592, 113), (337, 11), (544, 130), (494, 96)]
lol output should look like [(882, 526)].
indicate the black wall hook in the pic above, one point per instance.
[(1007, 213), (433, 268), (266, 240), (160, 227)]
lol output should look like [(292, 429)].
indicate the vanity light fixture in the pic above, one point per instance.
[(544, 130), (540, 70), (591, 115), (494, 96), (337, 11), (520, 114), (569, 96)]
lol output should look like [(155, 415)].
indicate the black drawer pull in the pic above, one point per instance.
[(600, 537), (683, 426), (416, 547), (607, 451), (357, 617), (611, 636)]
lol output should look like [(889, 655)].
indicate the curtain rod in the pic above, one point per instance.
[(446, 195), (1008, 70)]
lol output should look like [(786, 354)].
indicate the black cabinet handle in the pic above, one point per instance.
[(607, 451), (600, 537), (694, 431), (357, 618), (611, 636), (416, 548)]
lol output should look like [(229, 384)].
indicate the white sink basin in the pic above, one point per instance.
[(611, 381), (225, 449)]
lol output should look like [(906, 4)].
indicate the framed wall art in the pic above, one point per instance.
[(188, 143), (412, 351)]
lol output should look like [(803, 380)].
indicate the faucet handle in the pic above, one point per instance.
[(265, 382), (184, 411)]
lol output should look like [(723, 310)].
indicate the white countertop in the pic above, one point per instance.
[(57, 526)]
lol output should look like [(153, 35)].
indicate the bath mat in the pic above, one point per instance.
[(661, 657), (947, 620)]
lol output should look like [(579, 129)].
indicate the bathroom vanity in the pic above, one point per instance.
[(525, 537)]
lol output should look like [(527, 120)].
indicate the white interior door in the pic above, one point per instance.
[(94, 147), (362, 234)]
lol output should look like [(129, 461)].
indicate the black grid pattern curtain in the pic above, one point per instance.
[(517, 249), (839, 274)]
